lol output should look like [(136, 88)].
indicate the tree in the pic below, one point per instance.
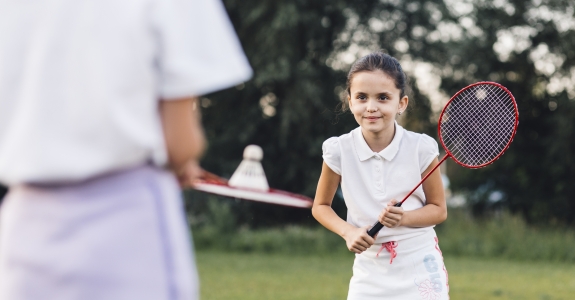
[(526, 46), (300, 53), (289, 107)]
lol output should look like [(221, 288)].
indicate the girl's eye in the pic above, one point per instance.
[(361, 97), (383, 98)]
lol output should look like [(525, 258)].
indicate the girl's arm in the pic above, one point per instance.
[(434, 211), (357, 239), (184, 137)]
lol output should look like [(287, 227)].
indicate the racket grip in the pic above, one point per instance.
[(378, 226), (375, 229)]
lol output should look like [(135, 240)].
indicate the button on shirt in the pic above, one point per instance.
[(80, 80), (369, 180)]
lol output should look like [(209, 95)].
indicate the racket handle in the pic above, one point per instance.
[(375, 229), (378, 226)]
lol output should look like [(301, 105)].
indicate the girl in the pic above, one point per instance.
[(98, 122), (375, 164)]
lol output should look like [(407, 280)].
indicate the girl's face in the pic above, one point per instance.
[(375, 101)]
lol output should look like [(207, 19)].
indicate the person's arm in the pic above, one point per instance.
[(184, 137), (357, 239), (432, 213)]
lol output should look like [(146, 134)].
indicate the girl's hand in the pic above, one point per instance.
[(391, 216), (189, 172), (357, 239)]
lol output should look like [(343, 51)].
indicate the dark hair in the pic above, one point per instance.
[(378, 61)]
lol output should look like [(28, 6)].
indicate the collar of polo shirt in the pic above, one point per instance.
[(365, 153)]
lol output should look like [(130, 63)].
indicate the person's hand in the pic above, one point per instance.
[(357, 239), (189, 172), (391, 216)]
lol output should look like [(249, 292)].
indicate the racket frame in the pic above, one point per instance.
[(508, 142)]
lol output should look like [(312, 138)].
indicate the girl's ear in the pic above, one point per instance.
[(348, 100), (403, 102)]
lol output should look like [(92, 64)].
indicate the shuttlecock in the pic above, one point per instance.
[(481, 94), (250, 173)]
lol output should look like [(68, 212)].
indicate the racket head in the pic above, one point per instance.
[(216, 185), (478, 124)]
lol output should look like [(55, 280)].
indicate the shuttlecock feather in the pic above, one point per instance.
[(250, 173)]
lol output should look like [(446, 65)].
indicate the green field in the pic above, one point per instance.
[(281, 276)]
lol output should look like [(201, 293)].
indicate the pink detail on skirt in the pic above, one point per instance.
[(444, 269), (390, 247)]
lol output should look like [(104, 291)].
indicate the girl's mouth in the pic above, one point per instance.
[(372, 118)]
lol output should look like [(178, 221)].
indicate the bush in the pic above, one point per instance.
[(216, 227), (502, 235), (506, 236)]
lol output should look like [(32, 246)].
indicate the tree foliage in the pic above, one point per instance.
[(300, 53), (293, 48), (535, 175)]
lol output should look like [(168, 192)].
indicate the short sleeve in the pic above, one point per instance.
[(198, 51), (332, 154), (428, 150)]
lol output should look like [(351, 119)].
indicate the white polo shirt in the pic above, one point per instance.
[(369, 180), (80, 80)]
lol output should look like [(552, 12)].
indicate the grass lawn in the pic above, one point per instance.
[(241, 276)]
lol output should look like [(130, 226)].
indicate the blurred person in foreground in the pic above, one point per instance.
[(98, 123)]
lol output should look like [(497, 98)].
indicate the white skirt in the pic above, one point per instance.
[(416, 272), (122, 236)]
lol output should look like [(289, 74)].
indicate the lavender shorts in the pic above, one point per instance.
[(122, 236)]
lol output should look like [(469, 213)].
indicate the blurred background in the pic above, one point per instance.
[(509, 234), (302, 50)]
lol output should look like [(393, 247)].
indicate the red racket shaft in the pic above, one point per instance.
[(378, 226)]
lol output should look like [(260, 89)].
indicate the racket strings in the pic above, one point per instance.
[(473, 153), (478, 135), (478, 124)]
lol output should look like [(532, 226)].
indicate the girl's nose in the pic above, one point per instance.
[(371, 107)]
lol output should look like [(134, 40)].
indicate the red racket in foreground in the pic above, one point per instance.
[(475, 127), (249, 182)]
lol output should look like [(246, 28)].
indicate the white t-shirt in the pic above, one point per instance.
[(369, 180), (80, 80)]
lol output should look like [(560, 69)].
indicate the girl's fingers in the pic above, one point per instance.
[(368, 239), (391, 215), (382, 215), (393, 224), (391, 203), (392, 212), (395, 217), (382, 219), (387, 217), (389, 222), (362, 244), (386, 223)]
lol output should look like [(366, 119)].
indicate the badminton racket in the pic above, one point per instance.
[(475, 127)]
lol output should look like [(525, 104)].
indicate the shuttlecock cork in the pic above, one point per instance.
[(250, 173)]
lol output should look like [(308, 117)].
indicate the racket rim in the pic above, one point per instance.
[(516, 124)]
